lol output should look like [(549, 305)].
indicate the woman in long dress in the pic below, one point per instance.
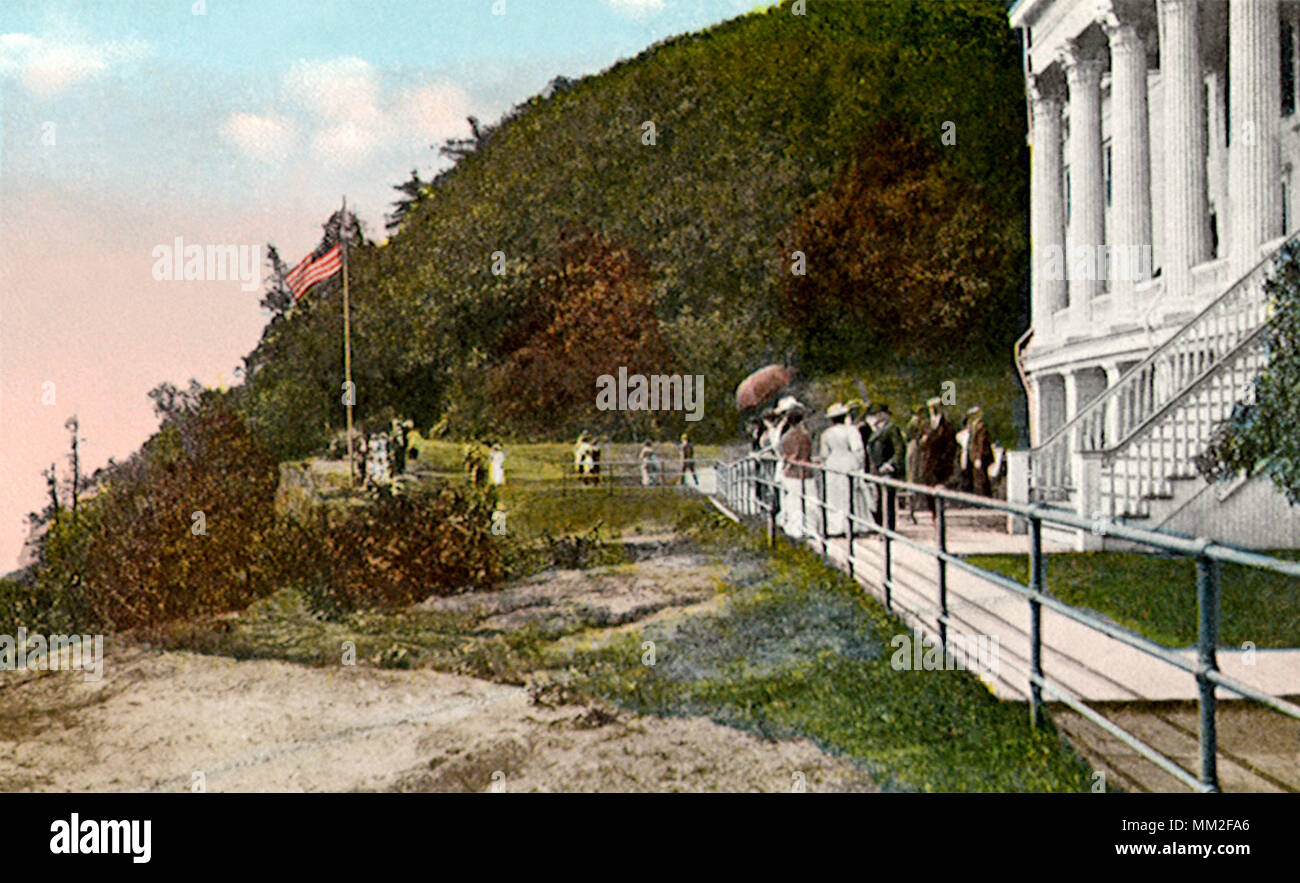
[(498, 464), (649, 465), (798, 491), (841, 451)]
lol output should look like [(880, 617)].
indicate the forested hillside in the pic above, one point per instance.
[(649, 216)]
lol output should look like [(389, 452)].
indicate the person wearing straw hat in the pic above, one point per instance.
[(796, 454), (841, 453), (649, 465), (581, 457)]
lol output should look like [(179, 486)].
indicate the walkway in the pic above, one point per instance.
[(1085, 662)]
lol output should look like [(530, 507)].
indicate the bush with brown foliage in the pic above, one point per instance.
[(178, 530), (902, 258), (398, 550), (135, 554)]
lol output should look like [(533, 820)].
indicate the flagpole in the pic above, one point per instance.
[(347, 337)]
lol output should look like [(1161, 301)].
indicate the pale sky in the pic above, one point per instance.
[(125, 124)]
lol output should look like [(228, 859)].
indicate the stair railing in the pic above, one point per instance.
[(1141, 466), (1152, 383)]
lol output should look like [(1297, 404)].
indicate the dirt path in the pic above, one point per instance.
[(159, 719)]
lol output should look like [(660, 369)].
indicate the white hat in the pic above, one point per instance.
[(789, 403), (839, 409)]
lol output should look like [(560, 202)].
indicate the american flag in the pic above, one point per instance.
[(314, 269)]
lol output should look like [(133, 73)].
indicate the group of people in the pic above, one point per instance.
[(964, 460), (586, 461), (863, 437), (485, 465), (380, 457), (586, 458)]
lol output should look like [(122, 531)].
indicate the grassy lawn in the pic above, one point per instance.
[(574, 509), (1156, 596), (798, 650), (542, 461)]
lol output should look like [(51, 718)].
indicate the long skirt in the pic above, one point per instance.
[(798, 517), (837, 505)]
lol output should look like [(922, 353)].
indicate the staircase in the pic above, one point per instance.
[(1129, 453)]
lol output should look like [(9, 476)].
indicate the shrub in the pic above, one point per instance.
[(398, 550), (137, 552)]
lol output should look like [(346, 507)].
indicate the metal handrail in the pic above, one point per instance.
[(740, 481)]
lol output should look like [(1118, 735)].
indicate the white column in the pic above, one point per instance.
[(1046, 210), (1130, 159), (1071, 379), (1186, 215), (1087, 186), (1254, 98), (1113, 374)]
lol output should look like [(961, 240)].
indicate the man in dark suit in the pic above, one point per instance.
[(938, 449), (885, 451)]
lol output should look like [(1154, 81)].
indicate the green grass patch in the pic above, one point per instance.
[(284, 627), (798, 650), (576, 509), (1156, 596), (543, 461)]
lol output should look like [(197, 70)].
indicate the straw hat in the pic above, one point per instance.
[(839, 409), (788, 404)]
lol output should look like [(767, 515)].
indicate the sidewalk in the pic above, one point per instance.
[(1087, 663)]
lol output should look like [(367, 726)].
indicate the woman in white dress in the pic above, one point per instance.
[(497, 474), (841, 449), (798, 491), (649, 465)]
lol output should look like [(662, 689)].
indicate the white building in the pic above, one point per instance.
[(1165, 145)]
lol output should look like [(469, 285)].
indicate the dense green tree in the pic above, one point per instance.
[(413, 191)]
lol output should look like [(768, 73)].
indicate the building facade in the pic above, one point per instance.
[(1165, 137)]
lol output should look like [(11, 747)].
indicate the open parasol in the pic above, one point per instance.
[(763, 385)]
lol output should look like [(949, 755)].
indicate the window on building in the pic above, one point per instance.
[(1108, 170), (1068, 200), (1288, 68), (1227, 105), (1286, 203)]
